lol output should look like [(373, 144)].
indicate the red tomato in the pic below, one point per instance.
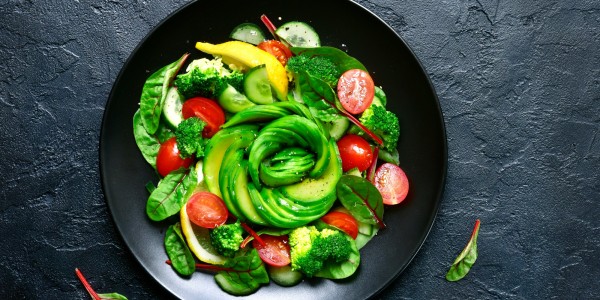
[(342, 221), (277, 49), (275, 251), (355, 152), (356, 90), (168, 158), (206, 209), (392, 183), (207, 110)]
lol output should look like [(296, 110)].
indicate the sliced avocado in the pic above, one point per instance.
[(215, 149)]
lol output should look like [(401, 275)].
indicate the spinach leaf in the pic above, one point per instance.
[(361, 198), (154, 93), (243, 275), (147, 143), (465, 260), (171, 194), (341, 59), (180, 255), (319, 97), (333, 270), (112, 296)]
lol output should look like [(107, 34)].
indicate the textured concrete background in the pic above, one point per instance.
[(519, 86)]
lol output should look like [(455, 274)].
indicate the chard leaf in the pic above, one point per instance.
[(171, 194), (318, 95), (341, 59), (112, 296), (180, 255), (154, 93), (147, 143), (361, 198), (244, 274), (333, 270), (465, 260)]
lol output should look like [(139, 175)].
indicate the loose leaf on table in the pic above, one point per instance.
[(243, 274), (112, 296), (147, 143), (465, 260), (154, 93), (180, 255), (361, 198), (171, 194), (92, 292)]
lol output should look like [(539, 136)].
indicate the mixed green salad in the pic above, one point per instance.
[(276, 158)]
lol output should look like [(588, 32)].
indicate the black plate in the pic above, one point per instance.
[(423, 152)]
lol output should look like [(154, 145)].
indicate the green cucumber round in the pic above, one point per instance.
[(172, 108), (298, 34), (257, 86), (249, 33)]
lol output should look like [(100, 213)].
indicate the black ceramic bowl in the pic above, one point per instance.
[(340, 23)]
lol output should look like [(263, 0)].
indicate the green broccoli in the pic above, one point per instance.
[(227, 238), (382, 123), (311, 248), (189, 137), (318, 66), (207, 78)]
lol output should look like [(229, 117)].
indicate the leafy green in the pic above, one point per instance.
[(170, 194), (320, 97), (112, 296), (154, 93), (242, 275), (361, 198), (180, 255), (147, 143), (465, 260)]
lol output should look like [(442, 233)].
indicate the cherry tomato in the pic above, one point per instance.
[(392, 183), (356, 90), (275, 251), (207, 110), (168, 158), (355, 152), (206, 209), (277, 49), (342, 221)]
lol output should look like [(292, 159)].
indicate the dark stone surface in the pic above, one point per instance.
[(519, 86)]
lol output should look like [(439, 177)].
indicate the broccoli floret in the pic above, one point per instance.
[(311, 248), (207, 78), (318, 66), (382, 123), (227, 238), (189, 137)]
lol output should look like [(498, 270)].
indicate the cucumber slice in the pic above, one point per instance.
[(249, 33), (338, 128), (257, 86), (284, 276), (172, 108), (233, 101), (298, 34)]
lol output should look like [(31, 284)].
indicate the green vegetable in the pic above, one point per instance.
[(318, 66), (311, 249), (242, 275), (189, 137), (361, 198), (170, 194), (227, 238), (382, 123), (154, 93), (180, 255), (112, 296), (285, 276), (465, 260), (207, 78), (342, 61), (147, 143)]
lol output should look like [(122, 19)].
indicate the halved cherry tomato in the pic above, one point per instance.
[(342, 221), (275, 251), (206, 209), (356, 90), (392, 183), (207, 110), (168, 158), (355, 152), (277, 49)]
